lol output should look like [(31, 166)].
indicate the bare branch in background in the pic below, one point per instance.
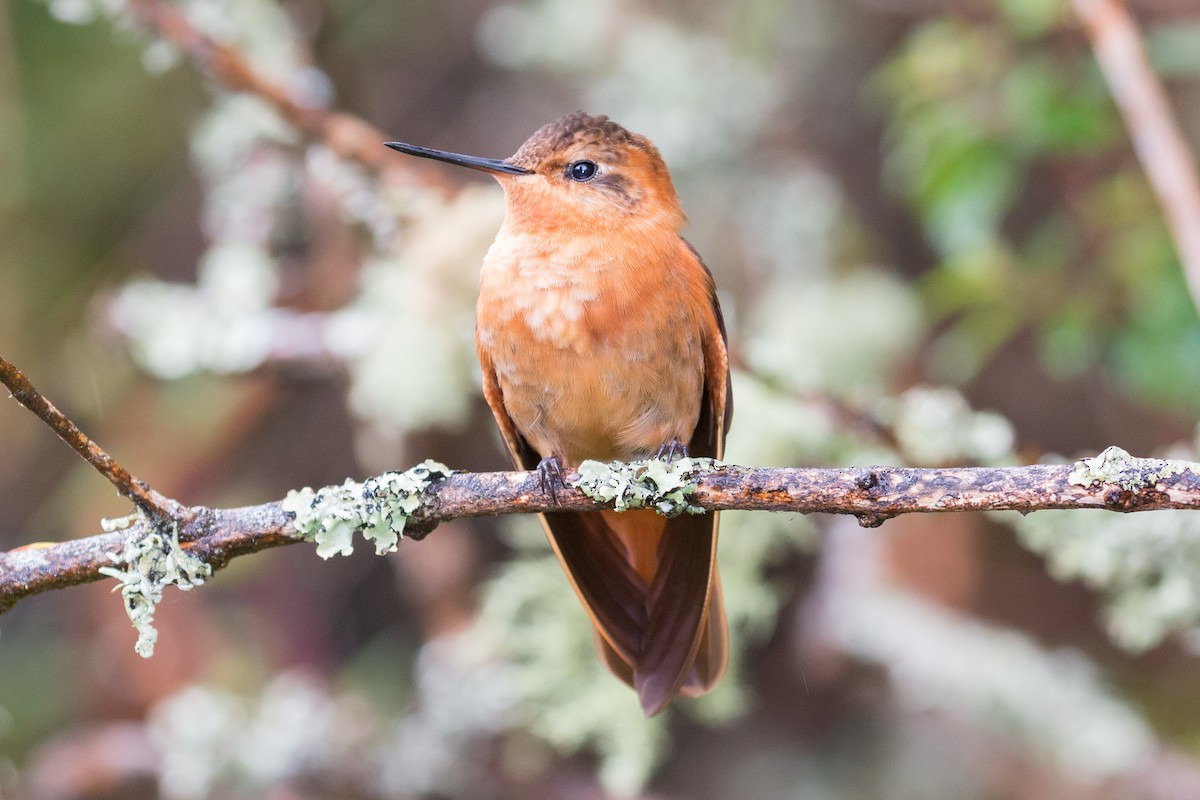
[(347, 135), (1169, 163)]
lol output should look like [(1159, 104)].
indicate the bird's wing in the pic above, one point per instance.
[(716, 409), (687, 644)]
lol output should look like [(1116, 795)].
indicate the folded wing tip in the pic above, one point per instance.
[(653, 699)]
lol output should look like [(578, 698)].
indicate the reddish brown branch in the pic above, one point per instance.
[(144, 497), (873, 495), (348, 136), (1169, 164), (217, 536)]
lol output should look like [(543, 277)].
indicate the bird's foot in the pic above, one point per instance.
[(672, 450), (550, 476)]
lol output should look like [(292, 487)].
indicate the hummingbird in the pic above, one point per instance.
[(600, 337)]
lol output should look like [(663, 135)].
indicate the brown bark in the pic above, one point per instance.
[(872, 494)]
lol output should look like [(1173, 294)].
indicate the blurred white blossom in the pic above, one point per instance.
[(549, 33), (462, 696), (1053, 703), (700, 102), (160, 56), (215, 742), (776, 427), (700, 99), (420, 368), (263, 32), (211, 739), (176, 330), (787, 219), (542, 641), (936, 425), (1147, 566), (843, 335), (359, 196), (80, 12)]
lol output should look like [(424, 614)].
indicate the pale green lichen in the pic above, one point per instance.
[(1053, 702), (1146, 566), (111, 524), (380, 507), (936, 425), (1115, 467), (653, 483), (145, 567)]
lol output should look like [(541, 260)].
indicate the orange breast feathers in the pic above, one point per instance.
[(597, 346)]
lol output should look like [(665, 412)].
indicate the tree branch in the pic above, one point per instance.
[(1113, 481), (347, 135), (1157, 139), (161, 508)]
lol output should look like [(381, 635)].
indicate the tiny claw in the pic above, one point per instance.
[(672, 450), (549, 471)]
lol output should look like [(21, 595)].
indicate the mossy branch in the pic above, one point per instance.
[(1114, 481)]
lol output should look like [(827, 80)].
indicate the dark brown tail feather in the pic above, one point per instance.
[(665, 639), (612, 592), (678, 609), (712, 656)]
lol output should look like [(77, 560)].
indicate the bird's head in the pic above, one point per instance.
[(578, 172)]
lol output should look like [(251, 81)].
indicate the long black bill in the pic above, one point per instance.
[(473, 162)]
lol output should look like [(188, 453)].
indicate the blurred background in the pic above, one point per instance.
[(935, 246)]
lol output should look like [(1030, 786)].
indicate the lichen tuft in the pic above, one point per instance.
[(1116, 467), (653, 483), (146, 566), (379, 506)]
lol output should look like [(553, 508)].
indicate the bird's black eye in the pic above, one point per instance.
[(581, 170)]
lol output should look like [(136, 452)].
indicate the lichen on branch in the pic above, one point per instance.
[(145, 567), (414, 502), (653, 483), (1116, 467), (380, 507)]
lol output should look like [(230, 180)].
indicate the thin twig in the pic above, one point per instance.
[(154, 504), (1160, 146), (349, 136), (872, 495)]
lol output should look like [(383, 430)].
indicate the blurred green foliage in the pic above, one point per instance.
[(100, 142), (1003, 138)]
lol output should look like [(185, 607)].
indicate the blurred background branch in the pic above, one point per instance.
[(346, 135), (1164, 153)]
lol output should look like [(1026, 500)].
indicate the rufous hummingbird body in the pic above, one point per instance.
[(600, 337)]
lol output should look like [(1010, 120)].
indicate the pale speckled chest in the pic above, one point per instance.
[(596, 356)]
